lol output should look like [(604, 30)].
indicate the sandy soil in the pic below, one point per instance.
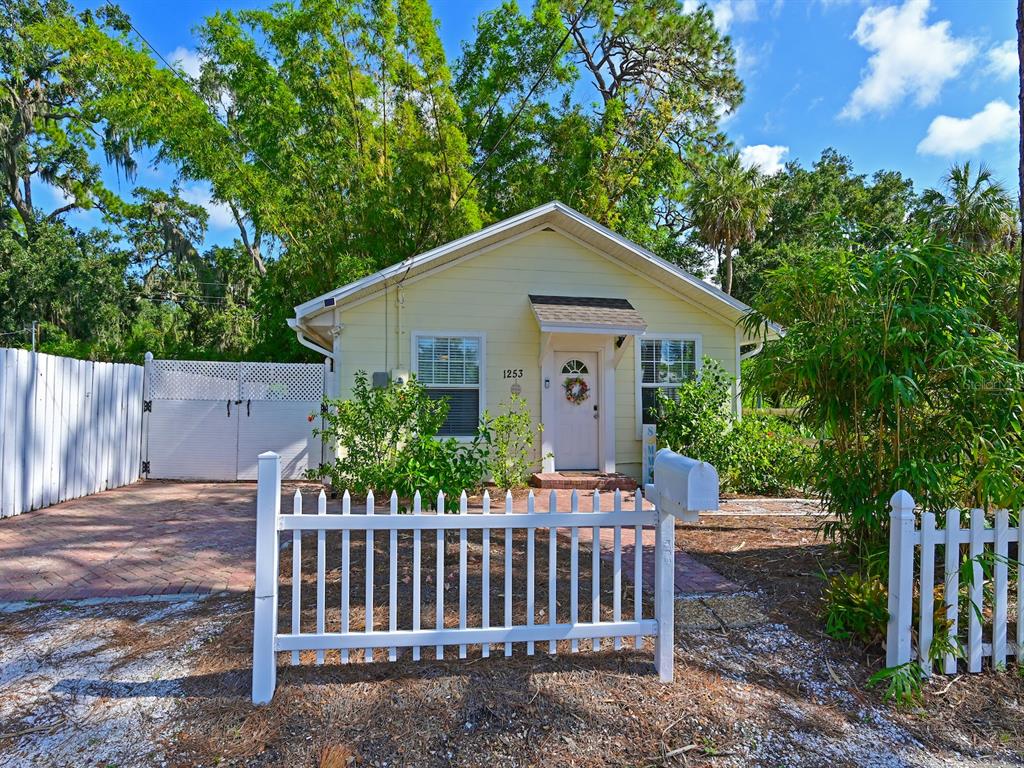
[(757, 684)]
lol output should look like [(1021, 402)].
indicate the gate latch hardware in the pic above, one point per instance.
[(145, 467), (147, 406)]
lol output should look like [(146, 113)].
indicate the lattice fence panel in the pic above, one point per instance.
[(282, 381), (192, 380)]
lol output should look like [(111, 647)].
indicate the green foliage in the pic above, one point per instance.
[(756, 454), (73, 284), (808, 206), (431, 464), (766, 455), (512, 432), (633, 95), (728, 204), (696, 420), (900, 378), (385, 440), (903, 684), (856, 607)]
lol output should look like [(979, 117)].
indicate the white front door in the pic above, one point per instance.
[(577, 418)]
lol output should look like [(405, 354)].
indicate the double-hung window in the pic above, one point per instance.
[(449, 367), (665, 363)]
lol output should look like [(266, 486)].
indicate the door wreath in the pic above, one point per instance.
[(576, 389)]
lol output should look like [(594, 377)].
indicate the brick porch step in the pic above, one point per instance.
[(582, 481)]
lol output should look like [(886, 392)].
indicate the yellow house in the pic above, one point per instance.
[(584, 324)]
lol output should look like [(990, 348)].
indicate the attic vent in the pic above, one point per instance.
[(547, 229)]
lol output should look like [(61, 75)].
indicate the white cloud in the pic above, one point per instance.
[(725, 12), (766, 157), (220, 214), (188, 61), (1002, 60), (955, 135), (728, 11), (911, 58), (54, 197)]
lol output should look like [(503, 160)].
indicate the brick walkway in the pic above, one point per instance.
[(692, 577), (143, 539), (169, 538)]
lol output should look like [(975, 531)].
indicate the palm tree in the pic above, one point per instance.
[(973, 210), (728, 204)]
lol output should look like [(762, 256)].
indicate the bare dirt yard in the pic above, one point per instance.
[(757, 683)]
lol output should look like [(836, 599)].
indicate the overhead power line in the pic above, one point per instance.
[(508, 127)]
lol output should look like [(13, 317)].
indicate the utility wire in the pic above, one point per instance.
[(237, 136), (508, 127)]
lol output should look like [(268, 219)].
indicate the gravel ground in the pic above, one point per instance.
[(167, 683), (96, 682)]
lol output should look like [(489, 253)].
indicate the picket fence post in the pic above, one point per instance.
[(664, 583), (268, 509), (901, 579)]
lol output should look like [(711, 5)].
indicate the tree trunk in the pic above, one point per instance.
[(728, 262), (1020, 174)]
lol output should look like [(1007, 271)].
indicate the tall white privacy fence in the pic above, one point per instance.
[(68, 428), (970, 557), (682, 488)]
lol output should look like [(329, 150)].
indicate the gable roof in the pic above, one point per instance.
[(570, 222)]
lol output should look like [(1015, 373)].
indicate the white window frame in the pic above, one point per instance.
[(482, 363), (639, 386)]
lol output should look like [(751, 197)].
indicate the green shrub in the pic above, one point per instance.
[(511, 435), (766, 455), (903, 684), (756, 454), (856, 608), (386, 440), (889, 353), (696, 420), (430, 465)]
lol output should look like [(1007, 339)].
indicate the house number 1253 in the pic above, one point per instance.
[(513, 373)]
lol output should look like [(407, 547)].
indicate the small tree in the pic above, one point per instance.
[(511, 434), (903, 383)]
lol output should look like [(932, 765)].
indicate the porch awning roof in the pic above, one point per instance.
[(587, 314)]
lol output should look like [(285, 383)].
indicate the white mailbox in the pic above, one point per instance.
[(684, 486)]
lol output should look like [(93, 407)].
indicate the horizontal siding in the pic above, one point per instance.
[(489, 293)]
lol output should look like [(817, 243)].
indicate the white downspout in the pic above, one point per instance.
[(300, 335), (756, 350), (740, 357)]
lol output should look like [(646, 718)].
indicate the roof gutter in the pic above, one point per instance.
[(757, 348), (293, 323)]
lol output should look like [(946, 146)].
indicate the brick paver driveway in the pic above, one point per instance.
[(167, 538), (143, 539)]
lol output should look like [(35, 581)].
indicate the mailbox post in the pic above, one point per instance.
[(682, 488)]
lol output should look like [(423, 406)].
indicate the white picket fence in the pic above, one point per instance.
[(69, 428), (986, 631), (696, 487)]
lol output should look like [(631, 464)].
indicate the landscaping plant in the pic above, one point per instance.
[(511, 436), (385, 440), (758, 454), (899, 376)]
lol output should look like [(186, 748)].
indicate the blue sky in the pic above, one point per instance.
[(909, 86)]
